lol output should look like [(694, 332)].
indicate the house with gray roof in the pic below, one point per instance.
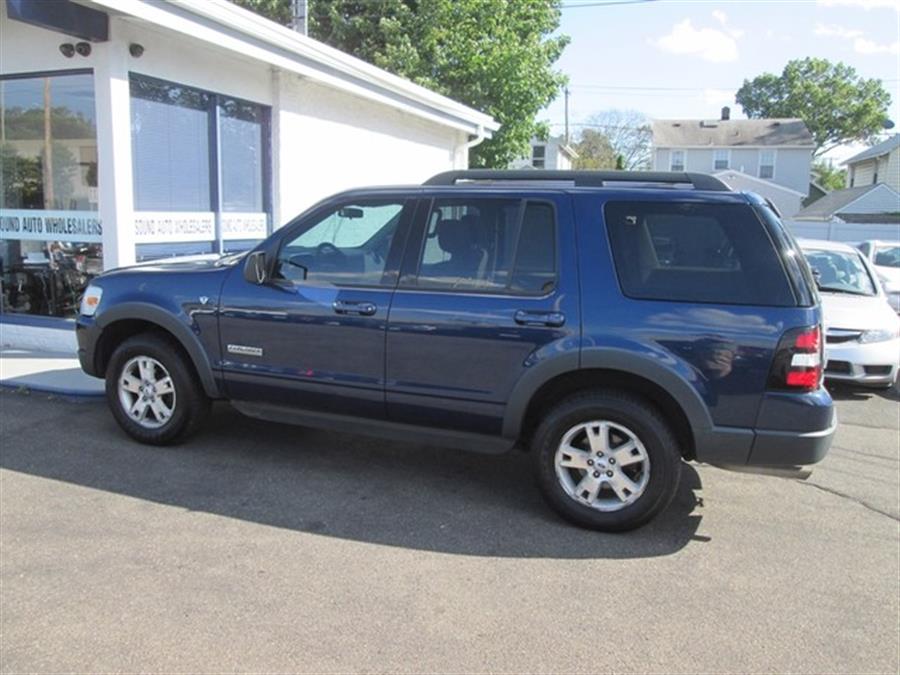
[(878, 164), (878, 203), (771, 157)]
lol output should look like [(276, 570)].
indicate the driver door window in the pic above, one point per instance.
[(346, 247)]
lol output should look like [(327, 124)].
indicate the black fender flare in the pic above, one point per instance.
[(154, 314), (620, 360)]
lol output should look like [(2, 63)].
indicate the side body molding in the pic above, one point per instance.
[(610, 359), (182, 332)]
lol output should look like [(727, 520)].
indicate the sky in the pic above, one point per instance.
[(679, 58)]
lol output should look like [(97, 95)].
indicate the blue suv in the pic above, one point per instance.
[(612, 324)]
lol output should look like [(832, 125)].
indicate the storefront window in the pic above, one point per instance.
[(199, 169), (170, 146), (50, 232), (241, 138)]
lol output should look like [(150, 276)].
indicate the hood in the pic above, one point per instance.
[(195, 263), (856, 312), (890, 278)]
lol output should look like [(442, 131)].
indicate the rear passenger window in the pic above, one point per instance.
[(490, 245), (695, 253)]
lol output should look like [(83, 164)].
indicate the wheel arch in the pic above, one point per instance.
[(677, 400), (123, 321)]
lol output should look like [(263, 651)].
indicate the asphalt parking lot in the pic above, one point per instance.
[(264, 548)]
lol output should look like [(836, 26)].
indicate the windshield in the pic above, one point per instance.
[(887, 256), (840, 272)]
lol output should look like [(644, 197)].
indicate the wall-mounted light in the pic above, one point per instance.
[(83, 48), (67, 49), (136, 50)]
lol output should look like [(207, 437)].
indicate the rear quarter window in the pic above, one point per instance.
[(690, 252)]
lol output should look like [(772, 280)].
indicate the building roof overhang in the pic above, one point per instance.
[(229, 27)]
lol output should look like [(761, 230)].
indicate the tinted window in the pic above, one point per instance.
[(498, 245), (347, 246), (695, 253)]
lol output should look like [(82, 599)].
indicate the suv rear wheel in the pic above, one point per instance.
[(153, 392), (606, 460)]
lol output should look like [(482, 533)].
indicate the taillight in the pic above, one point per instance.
[(797, 365)]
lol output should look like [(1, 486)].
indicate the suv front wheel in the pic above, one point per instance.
[(606, 460), (153, 391)]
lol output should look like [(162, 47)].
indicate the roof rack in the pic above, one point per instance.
[(699, 181)]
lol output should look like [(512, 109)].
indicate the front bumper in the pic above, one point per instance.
[(874, 363), (87, 333)]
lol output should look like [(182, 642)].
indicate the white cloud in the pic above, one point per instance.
[(722, 18), (864, 46), (863, 4), (831, 30), (707, 43)]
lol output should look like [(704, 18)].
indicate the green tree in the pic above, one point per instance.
[(628, 133), (594, 151), (828, 176), (496, 56), (279, 11), (837, 105)]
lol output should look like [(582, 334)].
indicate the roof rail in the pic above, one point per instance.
[(699, 181)]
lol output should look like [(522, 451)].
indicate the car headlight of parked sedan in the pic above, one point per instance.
[(879, 335)]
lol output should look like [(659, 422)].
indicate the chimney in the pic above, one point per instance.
[(726, 113)]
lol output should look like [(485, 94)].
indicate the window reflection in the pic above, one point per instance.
[(48, 168)]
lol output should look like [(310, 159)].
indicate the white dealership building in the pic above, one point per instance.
[(136, 129)]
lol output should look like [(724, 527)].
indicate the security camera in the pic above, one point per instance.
[(136, 50), (83, 48), (67, 50)]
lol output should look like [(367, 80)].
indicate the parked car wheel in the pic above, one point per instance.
[(606, 460), (153, 391)]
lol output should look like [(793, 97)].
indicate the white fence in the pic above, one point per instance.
[(850, 233)]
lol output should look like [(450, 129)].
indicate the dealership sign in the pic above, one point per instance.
[(151, 227), (244, 225), (35, 225), (157, 227)]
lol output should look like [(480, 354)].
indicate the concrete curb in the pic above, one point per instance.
[(50, 389), (48, 372)]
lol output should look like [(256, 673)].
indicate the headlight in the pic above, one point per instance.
[(878, 335), (91, 300)]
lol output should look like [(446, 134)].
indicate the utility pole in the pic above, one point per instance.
[(301, 16), (566, 95)]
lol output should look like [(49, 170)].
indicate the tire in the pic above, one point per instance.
[(629, 491), (174, 409)]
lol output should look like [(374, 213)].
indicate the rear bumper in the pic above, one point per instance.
[(792, 430), (779, 448)]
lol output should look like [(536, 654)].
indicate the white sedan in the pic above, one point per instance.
[(885, 257), (862, 332)]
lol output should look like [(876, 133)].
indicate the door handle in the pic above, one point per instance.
[(552, 319), (354, 307)]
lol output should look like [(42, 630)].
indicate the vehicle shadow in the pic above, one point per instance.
[(330, 484), (848, 392)]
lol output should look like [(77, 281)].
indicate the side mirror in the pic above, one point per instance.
[(255, 268)]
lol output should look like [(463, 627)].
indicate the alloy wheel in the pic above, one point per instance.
[(603, 465)]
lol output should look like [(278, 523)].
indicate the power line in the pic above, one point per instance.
[(580, 5)]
